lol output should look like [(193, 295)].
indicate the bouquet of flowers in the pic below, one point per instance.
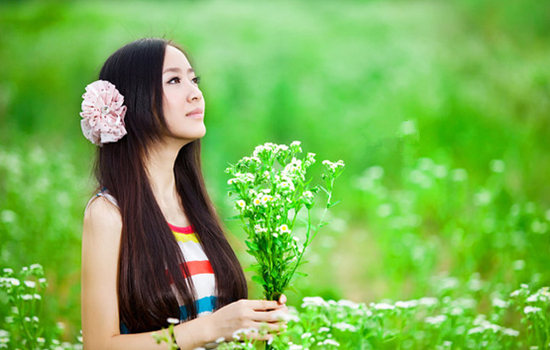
[(270, 189)]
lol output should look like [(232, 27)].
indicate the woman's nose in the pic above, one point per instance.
[(194, 94)]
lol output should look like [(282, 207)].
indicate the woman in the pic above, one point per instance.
[(152, 245)]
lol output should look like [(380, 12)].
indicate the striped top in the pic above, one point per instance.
[(198, 265), (200, 270)]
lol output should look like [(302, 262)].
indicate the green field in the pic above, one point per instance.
[(440, 111)]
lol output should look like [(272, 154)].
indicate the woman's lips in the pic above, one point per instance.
[(196, 113)]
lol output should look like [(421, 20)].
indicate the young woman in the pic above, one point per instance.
[(152, 245)]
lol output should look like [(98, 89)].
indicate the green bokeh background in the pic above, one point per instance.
[(340, 76)]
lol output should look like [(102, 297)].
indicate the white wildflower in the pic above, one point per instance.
[(244, 331), (173, 320), (313, 301), (428, 301), (500, 303), (241, 204), (530, 309), (459, 175), (382, 306), (384, 210), (284, 228), (323, 329), (519, 264), (440, 171), (406, 304), (510, 332), (497, 166), (343, 326), (36, 267), (330, 342), (30, 284), (408, 127), (476, 330), (289, 317), (436, 320), (348, 303)]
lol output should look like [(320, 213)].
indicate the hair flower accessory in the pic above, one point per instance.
[(103, 113)]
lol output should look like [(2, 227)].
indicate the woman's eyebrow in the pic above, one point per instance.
[(176, 69)]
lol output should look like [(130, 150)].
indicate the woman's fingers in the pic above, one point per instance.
[(264, 305), (282, 299), (270, 316)]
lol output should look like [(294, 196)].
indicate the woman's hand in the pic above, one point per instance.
[(246, 314)]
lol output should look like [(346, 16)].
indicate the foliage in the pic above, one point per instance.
[(23, 326), (471, 76), (271, 189), (426, 323)]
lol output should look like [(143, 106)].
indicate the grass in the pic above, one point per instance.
[(470, 76)]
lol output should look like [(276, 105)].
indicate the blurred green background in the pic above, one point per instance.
[(439, 109)]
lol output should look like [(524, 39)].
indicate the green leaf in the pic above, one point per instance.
[(254, 267), (258, 279), (251, 245), (330, 205)]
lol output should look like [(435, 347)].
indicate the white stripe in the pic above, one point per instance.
[(205, 285), (192, 251)]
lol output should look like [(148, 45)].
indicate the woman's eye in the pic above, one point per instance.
[(196, 80), (175, 78)]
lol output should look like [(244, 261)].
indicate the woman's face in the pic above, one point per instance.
[(182, 102)]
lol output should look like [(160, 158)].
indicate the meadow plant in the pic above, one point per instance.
[(425, 323), (271, 188), (166, 335), (439, 218), (23, 328)]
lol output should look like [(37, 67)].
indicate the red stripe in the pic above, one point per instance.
[(181, 229), (198, 267)]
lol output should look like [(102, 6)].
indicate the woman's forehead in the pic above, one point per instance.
[(175, 60)]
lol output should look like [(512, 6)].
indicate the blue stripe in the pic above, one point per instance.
[(124, 329), (206, 304)]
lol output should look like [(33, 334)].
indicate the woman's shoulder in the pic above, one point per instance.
[(102, 216)]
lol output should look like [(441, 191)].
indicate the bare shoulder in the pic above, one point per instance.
[(102, 219)]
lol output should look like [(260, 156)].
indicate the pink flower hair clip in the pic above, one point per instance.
[(102, 113)]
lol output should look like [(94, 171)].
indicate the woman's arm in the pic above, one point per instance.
[(100, 320)]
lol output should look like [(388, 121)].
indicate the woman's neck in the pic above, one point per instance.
[(160, 170)]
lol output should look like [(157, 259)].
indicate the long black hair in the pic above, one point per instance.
[(150, 258)]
